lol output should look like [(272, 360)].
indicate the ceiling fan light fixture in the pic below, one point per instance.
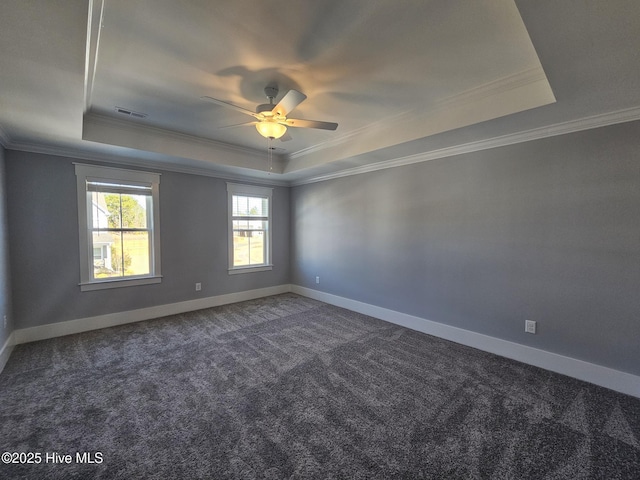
[(271, 120), (271, 129)]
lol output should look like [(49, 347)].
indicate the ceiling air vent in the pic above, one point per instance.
[(130, 113)]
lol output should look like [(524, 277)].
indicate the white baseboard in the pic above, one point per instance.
[(589, 372), (43, 332), (6, 350)]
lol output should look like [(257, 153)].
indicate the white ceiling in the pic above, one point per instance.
[(404, 80)]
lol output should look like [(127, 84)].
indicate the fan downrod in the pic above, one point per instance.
[(271, 92)]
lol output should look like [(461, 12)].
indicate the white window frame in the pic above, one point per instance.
[(250, 191), (86, 173)]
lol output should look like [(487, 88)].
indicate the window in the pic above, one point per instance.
[(249, 228), (119, 227)]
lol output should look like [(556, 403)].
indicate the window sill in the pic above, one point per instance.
[(125, 282), (257, 268)]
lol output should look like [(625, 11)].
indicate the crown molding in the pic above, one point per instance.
[(493, 88), (142, 163), (142, 129), (461, 100), (221, 156), (94, 31), (563, 128)]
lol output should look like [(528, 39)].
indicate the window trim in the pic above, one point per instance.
[(111, 174), (253, 191)]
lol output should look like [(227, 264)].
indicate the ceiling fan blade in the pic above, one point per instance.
[(291, 100), (231, 105), (237, 125), (295, 122)]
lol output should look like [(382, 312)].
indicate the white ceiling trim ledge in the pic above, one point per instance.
[(458, 101), (101, 129), (587, 123), (94, 28), (595, 121), (497, 87), (140, 163), (504, 96)]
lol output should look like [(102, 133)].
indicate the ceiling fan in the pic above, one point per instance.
[(271, 120)]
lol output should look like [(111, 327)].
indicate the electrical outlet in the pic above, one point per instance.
[(198, 287), (530, 326), (317, 279), (5, 322)]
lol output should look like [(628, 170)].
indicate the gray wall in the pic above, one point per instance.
[(43, 238), (5, 282), (547, 230)]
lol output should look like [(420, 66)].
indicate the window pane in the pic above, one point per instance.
[(239, 205), (250, 216), (249, 206), (134, 211), (240, 225), (248, 248), (111, 201), (106, 254), (136, 253), (240, 249), (120, 254), (101, 214), (256, 225), (116, 223), (257, 206), (256, 248), (115, 210)]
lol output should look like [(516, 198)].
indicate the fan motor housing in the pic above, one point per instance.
[(271, 91), (265, 107)]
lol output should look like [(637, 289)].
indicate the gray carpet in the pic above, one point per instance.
[(287, 387)]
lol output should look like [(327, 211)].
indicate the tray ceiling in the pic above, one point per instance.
[(386, 74), (397, 77)]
